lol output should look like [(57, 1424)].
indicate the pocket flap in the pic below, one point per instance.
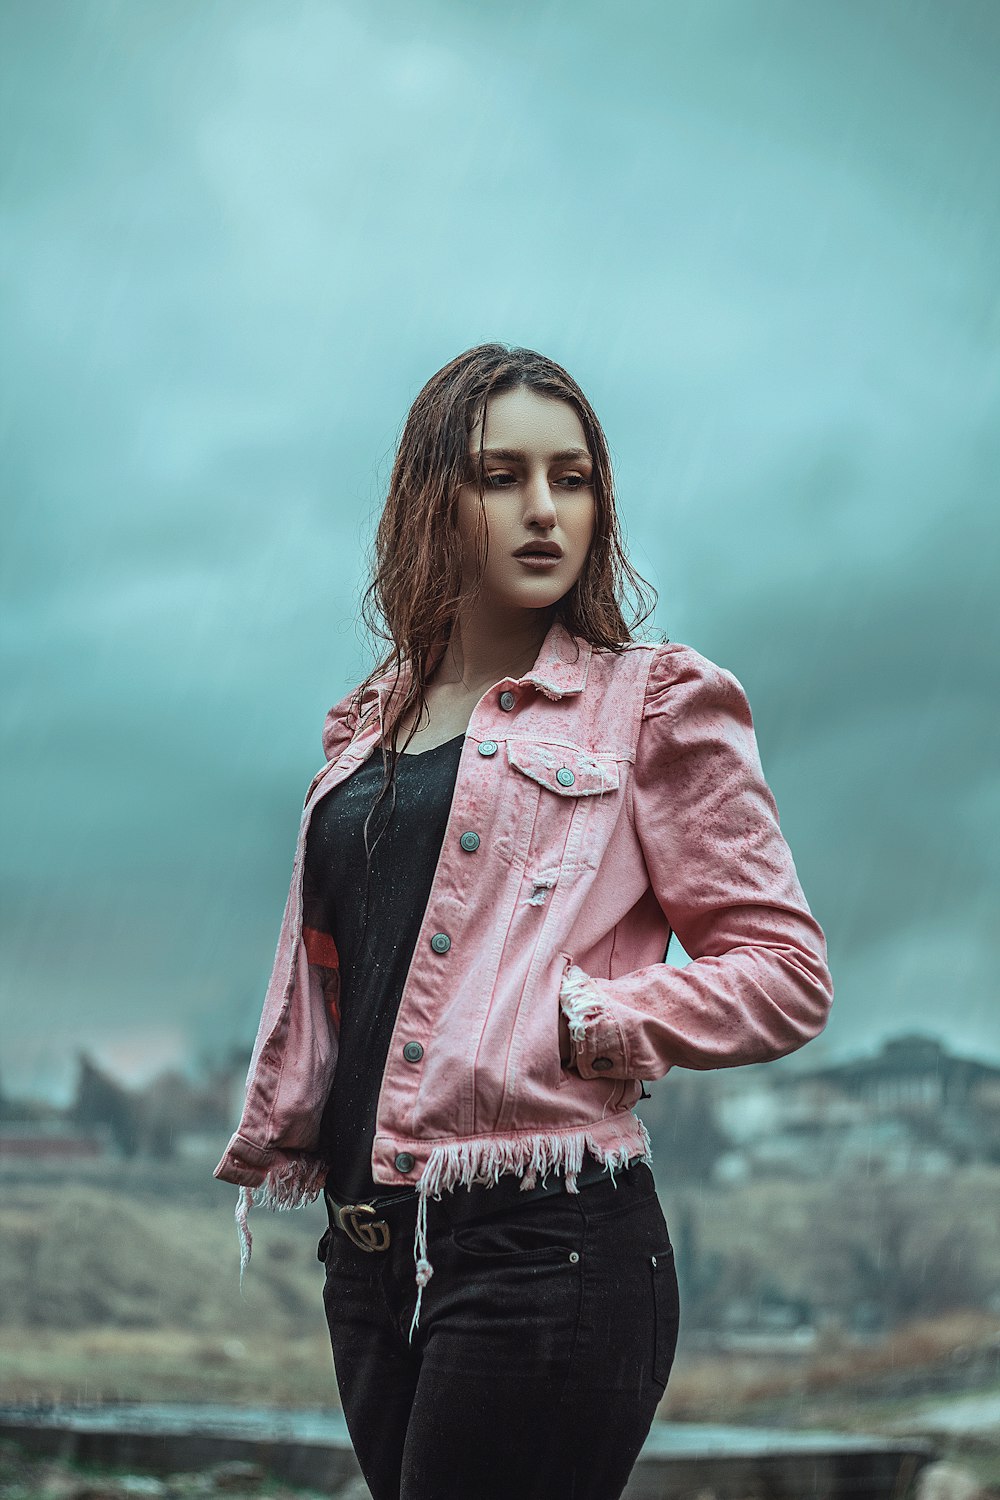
[(569, 772)]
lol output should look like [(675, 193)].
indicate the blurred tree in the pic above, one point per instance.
[(898, 1250), (99, 1100)]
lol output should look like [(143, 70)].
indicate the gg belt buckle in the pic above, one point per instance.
[(367, 1234)]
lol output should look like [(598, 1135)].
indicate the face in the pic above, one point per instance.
[(539, 494)]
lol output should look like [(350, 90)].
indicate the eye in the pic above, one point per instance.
[(503, 479)]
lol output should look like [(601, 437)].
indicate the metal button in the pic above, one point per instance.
[(489, 747), (565, 776), (653, 1259), (404, 1162), (440, 942), (573, 1257), (469, 842), (507, 700), (413, 1052), (601, 1064)]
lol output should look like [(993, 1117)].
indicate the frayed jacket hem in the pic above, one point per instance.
[(616, 1141)]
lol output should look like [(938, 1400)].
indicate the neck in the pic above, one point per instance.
[(483, 650)]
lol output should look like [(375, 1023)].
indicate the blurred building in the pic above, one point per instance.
[(913, 1107)]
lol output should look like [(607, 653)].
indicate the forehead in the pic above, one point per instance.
[(523, 420)]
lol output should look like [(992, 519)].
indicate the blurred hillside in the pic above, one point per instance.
[(122, 1281), (816, 1214)]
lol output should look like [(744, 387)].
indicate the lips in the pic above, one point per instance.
[(539, 549)]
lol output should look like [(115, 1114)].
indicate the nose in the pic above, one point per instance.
[(539, 506)]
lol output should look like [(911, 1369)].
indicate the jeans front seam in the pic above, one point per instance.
[(581, 1296)]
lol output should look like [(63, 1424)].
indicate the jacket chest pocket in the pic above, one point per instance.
[(557, 798)]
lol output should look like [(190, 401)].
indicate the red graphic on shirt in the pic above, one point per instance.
[(321, 951)]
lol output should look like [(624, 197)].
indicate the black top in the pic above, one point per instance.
[(375, 931)]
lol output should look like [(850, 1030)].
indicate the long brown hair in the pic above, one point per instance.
[(416, 569)]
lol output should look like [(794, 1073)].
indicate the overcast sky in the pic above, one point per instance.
[(236, 240)]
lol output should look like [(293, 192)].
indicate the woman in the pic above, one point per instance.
[(469, 985)]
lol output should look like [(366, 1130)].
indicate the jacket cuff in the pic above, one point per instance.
[(598, 1043), (244, 1163), (277, 1177)]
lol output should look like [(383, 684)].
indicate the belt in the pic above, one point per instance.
[(364, 1226)]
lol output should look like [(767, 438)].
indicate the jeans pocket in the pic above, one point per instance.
[(666, 1306), (548, 1229), (509, 1242)]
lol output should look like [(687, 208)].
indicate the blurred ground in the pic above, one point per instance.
[(26, 1478)]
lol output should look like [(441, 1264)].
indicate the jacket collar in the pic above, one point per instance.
[(561, 668), (562, 664)]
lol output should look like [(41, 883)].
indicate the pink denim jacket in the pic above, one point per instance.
[(602, 800)]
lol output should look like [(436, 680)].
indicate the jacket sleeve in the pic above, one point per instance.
[(758, 985)]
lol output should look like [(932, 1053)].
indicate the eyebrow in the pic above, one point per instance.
[(516, 453)]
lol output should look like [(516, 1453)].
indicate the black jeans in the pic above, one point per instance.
[(546, 1336)]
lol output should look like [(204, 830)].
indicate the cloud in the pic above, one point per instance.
[(237, 244)]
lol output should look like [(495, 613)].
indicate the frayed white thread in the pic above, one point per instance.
[(550, 689), (540, 888), (243, 1206), (581, 1002), (469, 1162), (291, 1185), (424, 1269)]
